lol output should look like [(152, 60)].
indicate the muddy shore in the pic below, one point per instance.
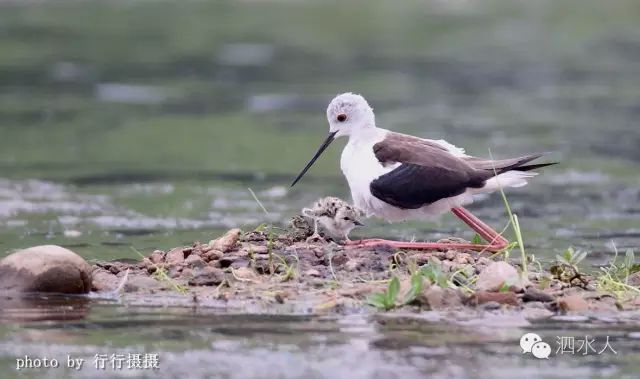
[(270, 270)]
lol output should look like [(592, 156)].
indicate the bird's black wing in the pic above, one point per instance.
[(427, 173), (411, 186)]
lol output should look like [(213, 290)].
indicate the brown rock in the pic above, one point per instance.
[(212, 255), (255, 249), (607, 304), (338, 259), (227, 242), (103, 280), (573, 303), (174, 271), (205, 247), (461, 259), (207, 276), (422, 258), (194, 261), (187, 273), (140, 283), (353, 264), (240, 263), (46, 268), (532, 294), (437, 298), (491, 305), (152, 269), (536, 313), (484, 261), (227, 260), (448, 266), (175, 256), (482, 297), (157, 257), (245, 274), (145, 263), (312, 272)]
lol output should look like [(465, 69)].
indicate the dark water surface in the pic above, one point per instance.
[(142, 124)]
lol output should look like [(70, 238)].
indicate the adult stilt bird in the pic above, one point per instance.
[(397, 176)]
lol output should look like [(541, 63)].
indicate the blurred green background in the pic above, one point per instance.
[(143, 123)]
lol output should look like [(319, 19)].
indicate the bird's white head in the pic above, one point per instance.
[(349, 114)]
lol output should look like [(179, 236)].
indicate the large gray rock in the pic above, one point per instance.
[(46, 268)]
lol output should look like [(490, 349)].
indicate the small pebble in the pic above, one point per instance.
[(491, 305), (532, 294), (573, 303), (312, 272)]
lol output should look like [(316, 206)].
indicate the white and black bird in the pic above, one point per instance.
[(397, 176), (336, 217)]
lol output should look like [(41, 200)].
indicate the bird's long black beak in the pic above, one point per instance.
[(322, 148)]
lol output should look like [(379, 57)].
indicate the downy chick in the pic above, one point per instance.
[(336, 217)]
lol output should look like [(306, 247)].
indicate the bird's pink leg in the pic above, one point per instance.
[(496, 241)]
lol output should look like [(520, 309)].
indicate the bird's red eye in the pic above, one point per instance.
[(342, 117)]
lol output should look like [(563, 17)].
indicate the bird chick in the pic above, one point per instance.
[(335, 216)]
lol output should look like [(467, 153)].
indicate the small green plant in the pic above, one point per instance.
[(572, 257), (615, 277), (476, 239), (515, 224), (433, 272), (417, 284), (566, 267), (290, 270), (544, 282), (160, 274), (535, 261), (270, 245), (386, 300), (397, 260), (268, 229), (258, 201)]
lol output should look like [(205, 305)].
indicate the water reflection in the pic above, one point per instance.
[(42, 307), (404, 345)]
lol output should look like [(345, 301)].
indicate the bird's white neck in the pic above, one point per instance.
[(366, 134)]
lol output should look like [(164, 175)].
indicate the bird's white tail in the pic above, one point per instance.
[(507, 179)]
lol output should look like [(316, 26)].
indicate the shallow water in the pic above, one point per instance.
[(140, 125), (204, 343)]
